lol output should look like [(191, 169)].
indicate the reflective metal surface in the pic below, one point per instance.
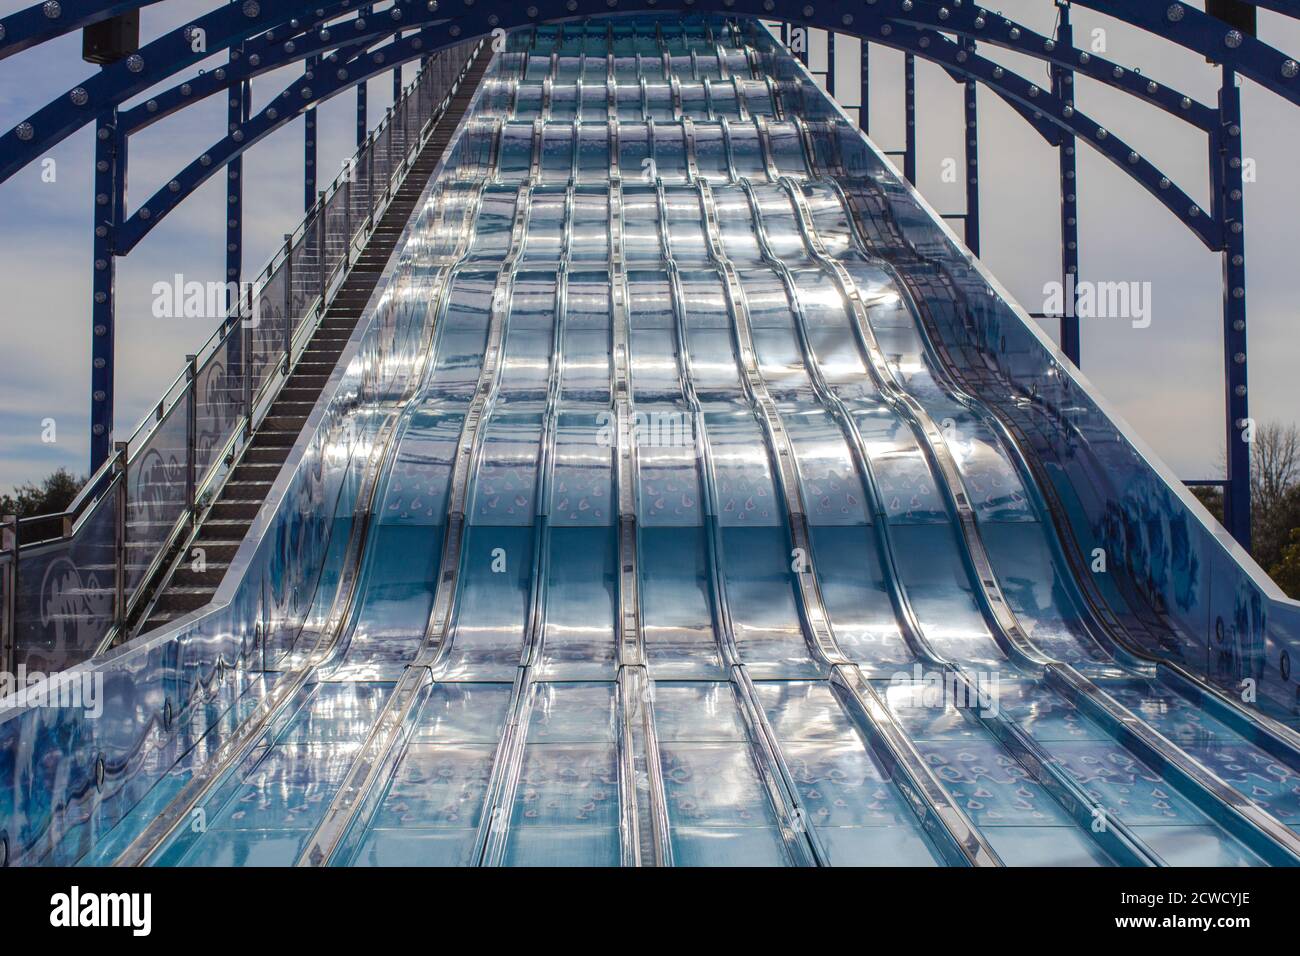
[(688, 497)]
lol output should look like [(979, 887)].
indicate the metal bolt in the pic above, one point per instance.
[(1232, 39), (52, 9), (1175, 12), (79, 96), (135, 63)]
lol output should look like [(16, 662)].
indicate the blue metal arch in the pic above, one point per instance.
[(292, 102), (1026, 96), (922, 43), (260, 55), (43, 21), (236, 22)]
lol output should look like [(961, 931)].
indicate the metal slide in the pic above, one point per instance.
[(696, 539)]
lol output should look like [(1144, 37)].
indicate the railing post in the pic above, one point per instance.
[(9, 543), (191, 434), (119, 534), (320, 247), (370, 177), (290, 324), (246, 365), (347, 218), (389, 150)]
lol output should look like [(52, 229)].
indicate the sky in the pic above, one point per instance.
[(1166, 379)]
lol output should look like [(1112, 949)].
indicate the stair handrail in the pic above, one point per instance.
[(339, 225)]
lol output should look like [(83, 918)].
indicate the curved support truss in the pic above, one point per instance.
[(1063, 114), (263, 54), (292, 102), (224, 28), (230, 25), (42, 22)]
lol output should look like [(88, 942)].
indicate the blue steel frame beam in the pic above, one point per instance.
[(923, 43), (41, 21), (1063, 87), (262, 54), (237, 22), (1073, 122), (294, 100), (227, 26)]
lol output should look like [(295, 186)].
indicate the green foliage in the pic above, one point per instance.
[(1273, 530), (51, 496), (1212, 498), (1287, 571)]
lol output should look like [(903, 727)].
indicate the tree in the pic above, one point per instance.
[(1287, 571), (51, 496), (1271, 527), (1274, 464), (1212, 497)]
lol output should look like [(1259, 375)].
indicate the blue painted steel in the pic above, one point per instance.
[(830, 63), (108, 204), (40, 22), (1226, 179), (971, 139), (236, 115), (864, 95), (909, 117), (1063, 88), (298, 98)]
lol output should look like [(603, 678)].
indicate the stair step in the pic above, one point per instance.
[(267, 455), (185, 598), (210, 576), (285, 423), (224, 529), (246, 490), (256, 472), (272, 438), (234, 509), (214, 549)]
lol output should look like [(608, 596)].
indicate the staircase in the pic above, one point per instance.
[(222, 529)]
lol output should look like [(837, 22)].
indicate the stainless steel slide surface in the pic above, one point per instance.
[(698, 544)]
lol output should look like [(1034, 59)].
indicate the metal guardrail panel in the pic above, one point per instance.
[(67, 594)]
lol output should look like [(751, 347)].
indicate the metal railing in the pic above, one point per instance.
[(70, 581)]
